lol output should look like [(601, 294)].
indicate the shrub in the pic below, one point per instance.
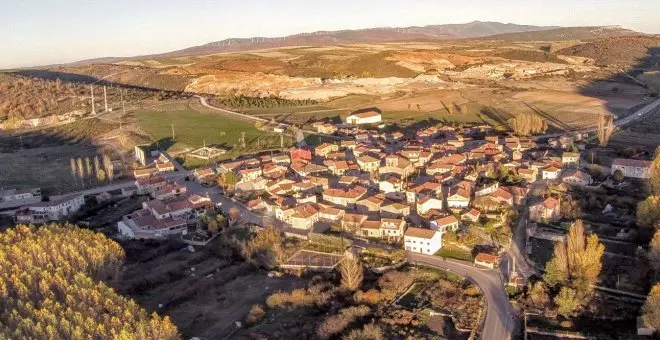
[(369, 332), (255, 315), (336, 324), (396, 280)]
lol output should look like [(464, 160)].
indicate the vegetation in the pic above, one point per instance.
[(654, 252), (229, 180), (264, 248), (51, 288), (605, 129), (651, 309), (648, 211), (245, 102), (351, 273), (526, 124), (335, 324), (255, 315)]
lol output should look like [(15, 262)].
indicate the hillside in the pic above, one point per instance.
[(565, 33), (370, 35), (638, 51)]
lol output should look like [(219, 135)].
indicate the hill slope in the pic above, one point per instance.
[(638, 51), (565, 33), (370, 35)]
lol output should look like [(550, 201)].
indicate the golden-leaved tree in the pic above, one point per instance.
[(51, 288)]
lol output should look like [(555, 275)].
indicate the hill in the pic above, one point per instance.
[(565, 33), (370, 35), (638, 51)]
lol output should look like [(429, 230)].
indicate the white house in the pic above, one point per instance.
[(632, 167), (425, 204), (444, 224), (577, 177), (425, 241), (458, 198), (53, 210), (369, 117), (550, 173), (7, 195)]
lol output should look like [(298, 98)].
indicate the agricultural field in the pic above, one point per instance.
[(194, 126)]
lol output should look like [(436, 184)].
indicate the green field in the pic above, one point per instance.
[(192, 128)]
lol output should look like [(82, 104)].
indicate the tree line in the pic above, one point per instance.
[(525, 124), (51, 288), (246, 102), (84, 170)]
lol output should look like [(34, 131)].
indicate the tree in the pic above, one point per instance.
[(109, 167), (88, 168), (618, 176), (654, 177), (351, 273), (229, 180), (651, 309), (605, 129), (73, 169), (100, 175), (264, 248), (654, 252), (52, 288), (538, 294), (213, 226), (578, 262), (648, 212), (81, 171), (567, 301), (222, 221), (97, 165)]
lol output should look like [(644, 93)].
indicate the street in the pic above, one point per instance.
[(500, 318)]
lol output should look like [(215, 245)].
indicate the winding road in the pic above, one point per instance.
[(500, 317)]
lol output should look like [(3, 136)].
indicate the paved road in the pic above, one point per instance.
[(637, 115), (500, 318)]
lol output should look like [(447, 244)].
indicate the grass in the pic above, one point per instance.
[(454, 253), (193, 128)]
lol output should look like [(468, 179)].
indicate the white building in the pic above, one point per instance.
[(445, 224), (7, 195), (550, 173), (425, 241), (53, 210), (632, 167), (369, 117)]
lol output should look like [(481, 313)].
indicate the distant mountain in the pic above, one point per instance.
[(565, 33), (473, 29)]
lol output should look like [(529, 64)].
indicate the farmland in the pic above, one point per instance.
[(194, 126)]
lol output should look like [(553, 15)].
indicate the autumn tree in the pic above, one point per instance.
[(51, 287), (651, 309), (654, 252), (109, 167), (577, 262), (351, 273), (213, 226), (88, 168), (526, 124), (100, 175), (648, 212), (228, 180), (264, 249), (538, 294), (567, 301), (605, 128), (74, 172), (81, 171)]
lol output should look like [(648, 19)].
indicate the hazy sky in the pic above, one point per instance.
[(38, 32)]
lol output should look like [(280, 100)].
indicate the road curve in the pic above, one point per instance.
[(500, 318)]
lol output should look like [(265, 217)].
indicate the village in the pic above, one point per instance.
[(468, 194)]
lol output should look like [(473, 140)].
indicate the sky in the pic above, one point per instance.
[(42, 32)]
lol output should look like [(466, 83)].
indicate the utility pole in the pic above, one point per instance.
[(91, 87), (282, 141), (172, 131), (121, 95), (105, 98)]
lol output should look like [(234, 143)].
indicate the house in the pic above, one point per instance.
[(298, 154), (168, 191), (577, 177), (246, 175), (427, 203), (391, 184), (471, 216), (8, 195), (53, 210), (165, 167), (458, 198), (370, 229), (368, 163), (486, 189), (159, 219), (353, 221), (344, 197), (325, 149), (550, 173), (144, 173), (486, 260), (420, 240), (302, 216), (445, 224), (203, 174), (633, 168), (331, 214), (150, 185), (326, 128), (570, 159), (392, 228), (368, 117), (397, 165), (395, 209), (548, 210), (502, 196), (530, 175), (371, 204)]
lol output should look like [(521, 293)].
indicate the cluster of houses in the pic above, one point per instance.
[(406, 188), (170, 210), (161, 165)]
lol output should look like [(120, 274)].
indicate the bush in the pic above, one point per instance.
[(336, 324), (369, 332), (396, 281), (255, 315), (374, 296)]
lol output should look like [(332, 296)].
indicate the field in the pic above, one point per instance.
[(193, 127), (46, 167), (644, 133)]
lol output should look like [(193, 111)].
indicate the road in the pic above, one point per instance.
[(637, 115), (500, 317)]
